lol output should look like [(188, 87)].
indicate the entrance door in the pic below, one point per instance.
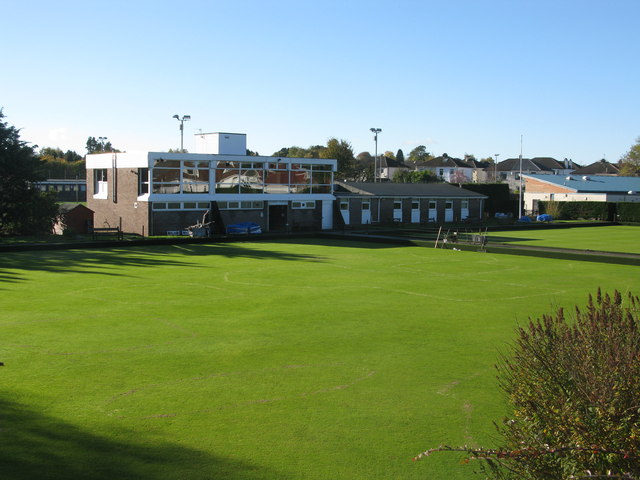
[(327, 214), (397, 210), (277, 218), (366, 212), (415, 211), (464, 209), (344, 211), (448, 211), (433, 211)]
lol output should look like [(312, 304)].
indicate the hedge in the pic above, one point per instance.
[(622, 212), (628, 212)]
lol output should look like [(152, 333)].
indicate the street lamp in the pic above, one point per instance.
[(520, 189), (495, 168), (182, 120), (375, 131)]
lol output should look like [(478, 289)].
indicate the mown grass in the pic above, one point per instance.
[(278, 360), (619, 238)]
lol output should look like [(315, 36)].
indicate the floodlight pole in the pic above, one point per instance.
[(375, 131), (520, 189), (495, 168), (182, 120)]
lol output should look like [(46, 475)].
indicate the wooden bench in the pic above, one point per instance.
[(107, 232)]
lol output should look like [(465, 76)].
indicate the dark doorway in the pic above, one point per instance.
[(277, 218)]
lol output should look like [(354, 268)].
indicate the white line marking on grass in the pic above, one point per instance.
[(183, 248)]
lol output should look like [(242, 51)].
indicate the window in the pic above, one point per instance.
[(415, 205), (100, 188), (448, 204), (441, 172), (180, 206), (344, 204), (397, 204), (366, 204), (248, 205), (143, 181), (195, 176), (303, 205), (166, 176), (464, 204), (432, 205)]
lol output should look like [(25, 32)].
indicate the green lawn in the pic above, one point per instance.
[(263, 361), (620, 238)]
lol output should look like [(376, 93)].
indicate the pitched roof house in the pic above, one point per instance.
[(509, 170), (601, 167), (388, 167)]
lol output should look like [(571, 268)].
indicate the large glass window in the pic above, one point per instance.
[(251, 178), (228, 177), (195, 176), (166, 176), (276, 178)]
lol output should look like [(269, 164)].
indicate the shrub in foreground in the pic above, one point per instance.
[(575, 392)]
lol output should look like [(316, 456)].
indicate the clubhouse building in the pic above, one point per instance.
[(160, 193)]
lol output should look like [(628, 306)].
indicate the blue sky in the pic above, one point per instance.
[(457, 76)]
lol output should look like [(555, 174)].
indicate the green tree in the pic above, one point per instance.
[(414, 176), (59, 164), (573, 388), (400, 155), (419, 154), (362, 170), (342, 151), (24, 210), (314, 151), (630, 161), (96, 146)]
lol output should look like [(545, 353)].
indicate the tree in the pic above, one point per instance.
[(419, 154), (573, 387), (96, 146), (414, 176), (389, 154), (630, 161), (24, 210), (313, 151), (59, 164), (342, 151), (400, 156), (363, 168)]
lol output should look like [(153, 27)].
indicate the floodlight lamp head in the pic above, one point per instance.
[(177, 117), (186, 117)]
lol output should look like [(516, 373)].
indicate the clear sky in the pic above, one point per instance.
[(458, 76)]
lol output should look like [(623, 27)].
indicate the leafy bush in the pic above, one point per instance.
[(575, 393)]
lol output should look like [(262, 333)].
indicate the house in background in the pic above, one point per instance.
[(455, 170), (387, 202), (601, 167), (388, 167), (152, 193), (509, 170), (576, 188)]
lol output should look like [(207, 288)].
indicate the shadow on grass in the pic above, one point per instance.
[(115, 261), (34, 446)]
